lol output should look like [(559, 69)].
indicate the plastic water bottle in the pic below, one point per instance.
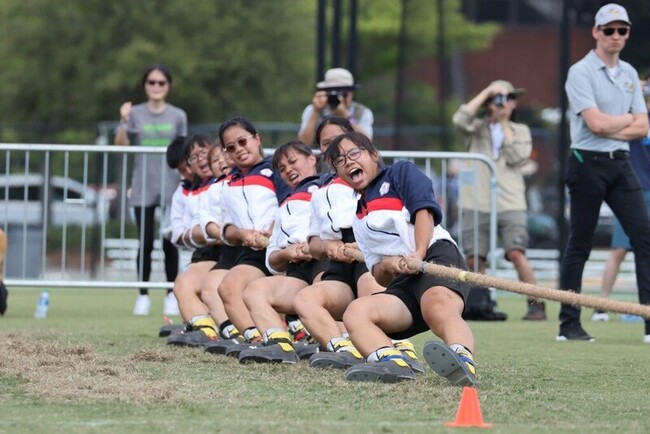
[(630, 318), (42, 305)]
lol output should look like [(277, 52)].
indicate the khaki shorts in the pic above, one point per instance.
[(512, 230)]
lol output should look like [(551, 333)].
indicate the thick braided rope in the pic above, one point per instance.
[(483, 280)]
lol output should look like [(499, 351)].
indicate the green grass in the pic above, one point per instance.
[(93, 367)]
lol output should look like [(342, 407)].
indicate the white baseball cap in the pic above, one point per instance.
[(611, 12)]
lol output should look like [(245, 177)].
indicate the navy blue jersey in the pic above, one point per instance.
[(384, 224)]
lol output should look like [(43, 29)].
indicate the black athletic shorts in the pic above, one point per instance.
[(205, 253), (306, 270), (411, 288), (227, 257)]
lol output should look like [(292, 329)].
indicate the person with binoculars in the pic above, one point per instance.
[(509, 145), (334, 96)]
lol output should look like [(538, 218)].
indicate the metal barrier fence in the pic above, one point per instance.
[(64, 209)]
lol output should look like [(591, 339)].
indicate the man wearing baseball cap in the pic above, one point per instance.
[(509, 145), (606, 110), (334, 96)]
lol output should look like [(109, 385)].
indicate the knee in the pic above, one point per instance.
[(182, 285), (438, 306), (302, 303), (227, 291), (355, 313), (252, 294)]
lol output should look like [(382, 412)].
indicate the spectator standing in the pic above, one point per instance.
[(640, 160), (335, 97), (152, 123), (509, 145), (606, 110)]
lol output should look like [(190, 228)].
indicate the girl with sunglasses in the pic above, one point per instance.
[(152, 123), (397, 219), (249, 203)]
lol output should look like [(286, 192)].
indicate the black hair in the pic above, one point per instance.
[(283, 151), (176, 152), (231, 122), (200, 140), (157, 67), (332, 120), (360, 140)]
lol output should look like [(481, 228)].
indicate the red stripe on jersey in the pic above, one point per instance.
[(381, 204), (260, 180), (202, 189), (305, 196), (339, 180)]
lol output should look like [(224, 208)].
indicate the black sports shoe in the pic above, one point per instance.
[(3, 298), (170, 329), (573, 332)]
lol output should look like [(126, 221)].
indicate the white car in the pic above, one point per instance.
[(71, 202)]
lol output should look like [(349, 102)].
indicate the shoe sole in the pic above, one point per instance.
[(415, 366), (235, 350), (565, 339), (368, 376), (371, 375), (165, 331), (306, 351), (326, 362), (446, 363), (258, 358), (220, 347)]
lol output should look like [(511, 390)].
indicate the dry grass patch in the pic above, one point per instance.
[(64, 373)]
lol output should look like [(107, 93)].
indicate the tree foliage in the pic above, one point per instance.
[(75, 61)]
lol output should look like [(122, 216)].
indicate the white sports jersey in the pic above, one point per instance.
[(332, 208)]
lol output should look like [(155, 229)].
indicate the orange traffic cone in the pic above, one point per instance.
[(469, 411)]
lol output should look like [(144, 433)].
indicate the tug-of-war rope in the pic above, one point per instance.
[(485, 281), (528, 289)]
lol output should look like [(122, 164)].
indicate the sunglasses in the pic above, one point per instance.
[(242, 141), (160, 83), (609, 31), (352, 155)]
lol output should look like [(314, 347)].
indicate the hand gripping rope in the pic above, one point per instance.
[(483, 280)]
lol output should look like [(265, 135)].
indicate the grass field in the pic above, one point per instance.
[(93, 367)]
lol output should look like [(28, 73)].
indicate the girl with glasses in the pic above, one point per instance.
[(397, 219), (152, 123), (322, 304)]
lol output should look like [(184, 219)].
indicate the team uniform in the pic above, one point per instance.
[(333, 208), (292, 224), (250, 201), (291, 227), (211, 211), (384, 226)]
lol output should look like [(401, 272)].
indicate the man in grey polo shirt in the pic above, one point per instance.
[(606, 110)]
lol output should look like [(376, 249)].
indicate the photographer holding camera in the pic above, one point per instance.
[(509, 145), (334, 97)]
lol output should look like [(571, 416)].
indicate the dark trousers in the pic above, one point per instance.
[(146, 231), (599, 178)]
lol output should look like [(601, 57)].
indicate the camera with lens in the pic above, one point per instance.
[(499, 100), (334, 98)]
